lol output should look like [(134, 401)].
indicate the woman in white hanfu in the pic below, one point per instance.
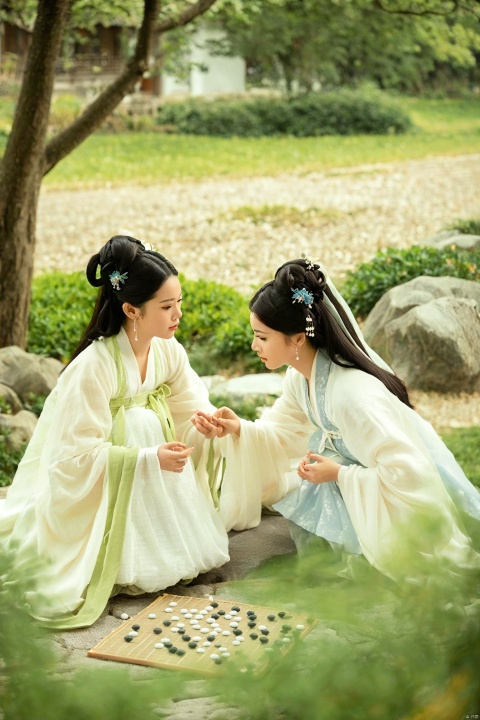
[(106, 494), (371, 465)]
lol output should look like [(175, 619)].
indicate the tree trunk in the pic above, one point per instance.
[(21, 172), (28, 158)]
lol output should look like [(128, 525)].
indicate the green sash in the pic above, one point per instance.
[(120, 472)]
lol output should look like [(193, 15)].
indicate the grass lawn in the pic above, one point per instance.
[(442, 127)]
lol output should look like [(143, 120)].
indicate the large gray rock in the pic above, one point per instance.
[(436, 346), (27, 373), (19, 428), (403, 298)]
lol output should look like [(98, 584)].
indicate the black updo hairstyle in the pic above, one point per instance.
[(146, 270), (273, 305)]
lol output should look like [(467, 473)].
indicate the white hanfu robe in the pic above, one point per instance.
[(394, 466), (89, 496)]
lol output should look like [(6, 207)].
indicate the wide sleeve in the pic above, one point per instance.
[(395, 477), (259, 464), (58, 502)]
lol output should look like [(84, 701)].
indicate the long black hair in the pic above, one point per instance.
[(143, 271), (273, 305)]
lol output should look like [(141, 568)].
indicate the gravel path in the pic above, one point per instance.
[(346, 216)]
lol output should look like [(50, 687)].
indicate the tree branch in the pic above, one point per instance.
[(191, 12), (94, 115)]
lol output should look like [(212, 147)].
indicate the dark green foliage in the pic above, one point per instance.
[(214, 329), (468, 226), (366, 284), (33, 683), (340, 112), (62, 304)]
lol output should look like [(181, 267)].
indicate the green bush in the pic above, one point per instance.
[(61, 307), (340, 112), (366, 284), (468, 226), (215, 327)]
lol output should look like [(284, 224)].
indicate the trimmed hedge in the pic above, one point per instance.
[(214, 329), (340, 112)]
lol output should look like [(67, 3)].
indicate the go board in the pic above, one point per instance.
[(202, 634)]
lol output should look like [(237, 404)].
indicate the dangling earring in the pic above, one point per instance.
[(135, 329), (296, 353)]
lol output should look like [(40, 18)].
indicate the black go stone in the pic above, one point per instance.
[(186, 638), (221, 612), (251, 623), (211, 638), (172, 650), (271, 617), (286, 628), (263, 639), (180, 631), (215, 616), (218, 661), (135, 627), (237, 631), (157, 631), (168, 644), (282, 613), (250, 612), (214, 604), (254, 636), (236, 608), (265, 632), (167, 623), (180, 651), (192, 644), (128, 638)]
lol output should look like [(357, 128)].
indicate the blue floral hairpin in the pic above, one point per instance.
[(301, 295), (116, 278)]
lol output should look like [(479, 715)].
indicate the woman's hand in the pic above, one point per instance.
[(221, 423), (173, 456), (321, 470)]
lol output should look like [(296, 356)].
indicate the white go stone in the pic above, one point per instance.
[(214, 656), (225, 654), (188, 615), (262, 627), (201, 650), (175, 617), (233, 612), (196, 638), (286, 640), (152, 616), (133, 633), (236, 642), (193, 611), (199, 616), (168, 609), (206, 643), (205, 630), (241, 638), (197, 627), (180, 625), (225, 632), (300, 627), (209, 608), (174, 629), (173, 604), (124, 616), (228, 617), (234, 624), (183, 611), (159, 645)]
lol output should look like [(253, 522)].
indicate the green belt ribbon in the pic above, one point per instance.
[(155, 400)]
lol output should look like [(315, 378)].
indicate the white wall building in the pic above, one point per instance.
[(209, 74)]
